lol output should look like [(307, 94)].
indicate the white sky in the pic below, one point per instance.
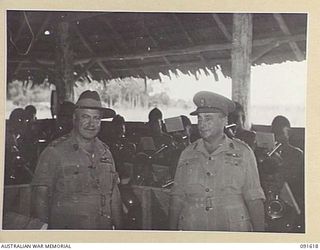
[(281, 87)]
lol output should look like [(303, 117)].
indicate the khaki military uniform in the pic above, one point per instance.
[(214, 187), (80, 184)]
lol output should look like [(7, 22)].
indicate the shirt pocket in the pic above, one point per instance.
[(234, 176), (108, 178), (74, 178), (192, 177), (238, 219)]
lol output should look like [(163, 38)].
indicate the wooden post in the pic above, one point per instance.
[(241, 65), (146, 104), (64, 63)]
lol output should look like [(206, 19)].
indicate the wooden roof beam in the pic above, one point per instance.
[(264, 51), (43, 26), (17, 69), (154, 41), (173, 52), (21, 28), (173, 65), (115, 33), (89, 48), (85, 69), (187, 35), (222, 27), (285, 29)]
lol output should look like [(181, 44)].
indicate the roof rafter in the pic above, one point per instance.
[(222, 27), (187, 35), (88, 46), (154, 41), (283, 26), (115, 33), (173, 52), (85, 69), (264, 51)]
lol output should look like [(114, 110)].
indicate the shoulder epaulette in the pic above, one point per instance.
[(103, 145), (59, 140), (241, 143)]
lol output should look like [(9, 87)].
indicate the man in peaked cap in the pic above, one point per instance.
[(75, 184), (216, 185)]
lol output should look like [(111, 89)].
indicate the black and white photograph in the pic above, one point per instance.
[(163, 121)]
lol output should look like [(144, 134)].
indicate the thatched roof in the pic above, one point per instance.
[(110, 45)]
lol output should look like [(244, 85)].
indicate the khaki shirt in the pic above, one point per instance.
[(214, 187), (80, 185)]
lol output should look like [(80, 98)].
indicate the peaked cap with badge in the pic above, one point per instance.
[(209, 102), (91, 100)]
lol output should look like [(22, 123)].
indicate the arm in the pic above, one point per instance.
[(42, 183), (176, 199), (256, 212), (116, 208), (253, 193)]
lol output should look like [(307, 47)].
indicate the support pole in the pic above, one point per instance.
[(64, 63), (241, 64)]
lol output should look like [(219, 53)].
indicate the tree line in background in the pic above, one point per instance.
[(127, 93)]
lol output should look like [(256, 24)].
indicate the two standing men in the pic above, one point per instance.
[(216, 184)]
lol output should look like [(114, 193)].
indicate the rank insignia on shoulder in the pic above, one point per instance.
[(105, 160), (235, 155)]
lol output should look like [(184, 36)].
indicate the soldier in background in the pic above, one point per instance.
[(64, 121), (31, 113), (17, 166), (216, 185), (292, 167), (75, 184), (122, 149), (238, 118)]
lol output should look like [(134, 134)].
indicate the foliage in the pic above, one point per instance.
[(24, 93), (129, 93)]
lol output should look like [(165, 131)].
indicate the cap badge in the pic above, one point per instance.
[(202, 102)]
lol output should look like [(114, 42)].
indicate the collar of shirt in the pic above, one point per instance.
[(226, 145), (98, 148)]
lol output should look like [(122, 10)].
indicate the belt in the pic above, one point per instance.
[(210, 202)]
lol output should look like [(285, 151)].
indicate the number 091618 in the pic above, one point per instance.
[(308, 246)]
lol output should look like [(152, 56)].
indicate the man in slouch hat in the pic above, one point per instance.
[(75, 184)]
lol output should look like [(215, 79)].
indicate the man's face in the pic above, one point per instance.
[(86, 123), (211, 125), (156, 126), (283, 135)]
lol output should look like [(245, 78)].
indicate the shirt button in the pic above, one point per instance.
[(208, 173), (207, 189)]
